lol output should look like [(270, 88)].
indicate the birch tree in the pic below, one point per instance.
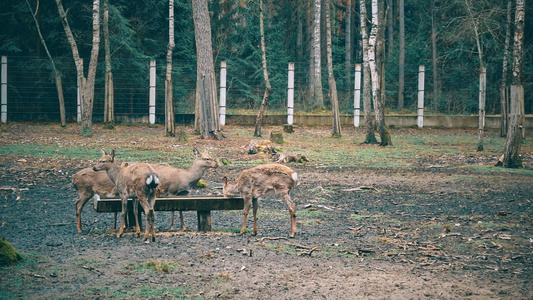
[(59, 85), (170, 127), (511, 154), (266, 95), (86, 83), (385, 139), (206, 97), (370, 138), (336, 130)]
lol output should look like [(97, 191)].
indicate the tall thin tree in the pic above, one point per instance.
[(504, 95), (170, 127), (207, 121), (401, 54), (434, 57), (268, 87), (511, 153), (109, 98), (315, 96), (59, 85), (86, 83), (370, 137), (336, 130)]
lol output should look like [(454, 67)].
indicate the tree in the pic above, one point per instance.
[(86, 83), (434, 58), (336, 130), (109, 102), (511, 154), (385, 139), (59, 85), (401, 57), (266, 96), (348, 44), (169, 104), (505, 65), (206, 97), (370, 138), (315, 96)]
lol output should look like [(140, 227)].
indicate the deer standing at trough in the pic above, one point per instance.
[(174, 181), (138, 181), (262, 180), (89, 183)]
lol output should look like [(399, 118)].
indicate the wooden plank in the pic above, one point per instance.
[(179, 203)]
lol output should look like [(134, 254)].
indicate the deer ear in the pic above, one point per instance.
[(225, 179), (103, 151), (195, 151), (112, 154)]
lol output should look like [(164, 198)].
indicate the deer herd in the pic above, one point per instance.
[(142, 182)]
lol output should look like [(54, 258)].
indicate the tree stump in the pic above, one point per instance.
[(276, 137), (288, 128)]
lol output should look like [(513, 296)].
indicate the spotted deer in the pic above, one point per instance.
[(174, 181), (89, 183), (138, 181), (262, 180)]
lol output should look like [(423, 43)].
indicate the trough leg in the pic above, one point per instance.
[(204, 220)]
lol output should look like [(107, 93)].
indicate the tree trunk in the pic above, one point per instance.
[(401, 58), (59, 85), (205, 69), (109, 118), (316, 98), (348, 45), (170, 127), (390, 28), (374, 73), (511, 154), (504, 96), (266, 96), (86, 83), (370, 138), (336, 130), (436, 81)]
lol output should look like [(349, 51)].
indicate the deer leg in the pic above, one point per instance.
[(247, 204), (115, 221), (136, 213), (149, 214), (255, 208), (172, 221), (292, 213), (123, 215), (79, 207)]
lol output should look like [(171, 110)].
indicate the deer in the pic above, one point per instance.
[(138, 181), (174, 181), (262, 180), (89, 183)]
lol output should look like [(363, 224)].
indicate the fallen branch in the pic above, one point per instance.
[(310, 252), (272, 238), (361, 188), (92, 269), (300, 246)]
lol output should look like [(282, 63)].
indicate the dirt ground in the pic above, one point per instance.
[(437, 230)]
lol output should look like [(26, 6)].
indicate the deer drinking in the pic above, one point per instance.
[(174, 181), (138, 181), (262, 180)]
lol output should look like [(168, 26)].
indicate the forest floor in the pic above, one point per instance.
[(428, 218)]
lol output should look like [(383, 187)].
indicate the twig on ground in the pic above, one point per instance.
[(271, 238)]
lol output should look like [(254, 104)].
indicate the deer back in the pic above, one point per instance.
[(91, 182), (261, 180)]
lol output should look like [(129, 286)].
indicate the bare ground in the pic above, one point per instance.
[(433, 231)]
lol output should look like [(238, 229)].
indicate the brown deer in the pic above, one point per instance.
[(89, 183), (138, 181), (174, 181), (261, 180)]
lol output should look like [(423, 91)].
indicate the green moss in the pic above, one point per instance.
[(8, 254)]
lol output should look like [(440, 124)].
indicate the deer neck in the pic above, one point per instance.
[(196, 171), (113, 172)]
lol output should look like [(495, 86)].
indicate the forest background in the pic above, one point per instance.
[(438, 34)]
